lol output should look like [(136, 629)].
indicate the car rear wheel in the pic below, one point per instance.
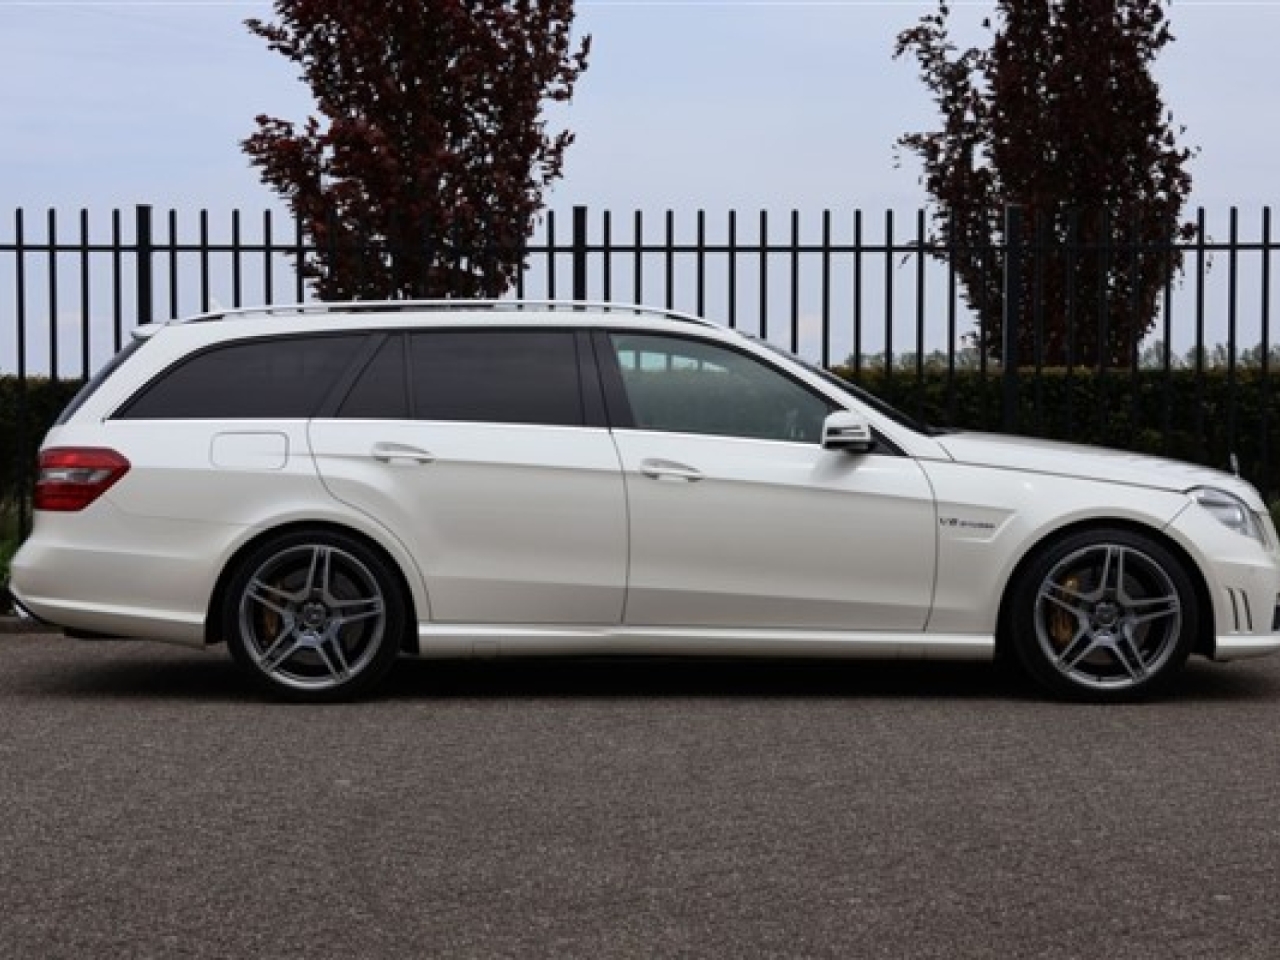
[(314, 616), (1103, 615)]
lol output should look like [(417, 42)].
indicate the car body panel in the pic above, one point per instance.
[(1076, 461), (989, 520), (776, 535), (1242, 579), (162, 536), (481, 640), (509, 523)]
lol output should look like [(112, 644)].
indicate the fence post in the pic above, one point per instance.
[(1013, 248), (580, 253), (21, 455), (146, 307)]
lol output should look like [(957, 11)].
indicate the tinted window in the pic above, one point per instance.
[(380, 392), (687, 386), (278, 378), (502, 376)]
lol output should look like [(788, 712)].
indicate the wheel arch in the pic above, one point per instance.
[(1204, 641), (213, 620)]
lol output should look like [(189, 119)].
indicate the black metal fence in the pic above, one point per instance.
[(875, 293)]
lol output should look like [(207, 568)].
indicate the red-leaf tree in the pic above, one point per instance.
[(425, 175), (1061, 117)]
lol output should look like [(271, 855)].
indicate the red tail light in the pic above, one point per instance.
[(71, 478)]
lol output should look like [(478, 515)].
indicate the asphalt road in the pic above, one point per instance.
[(152, 806)]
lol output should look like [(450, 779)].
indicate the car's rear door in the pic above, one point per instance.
[(482, 452)]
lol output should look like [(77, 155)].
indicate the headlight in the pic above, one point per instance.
[(1230, 511)]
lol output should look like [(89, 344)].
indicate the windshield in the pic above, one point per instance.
[(865, 396)]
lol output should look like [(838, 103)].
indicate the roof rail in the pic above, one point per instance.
[(410, 306)]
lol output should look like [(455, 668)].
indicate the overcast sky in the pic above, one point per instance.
[(686, 105)]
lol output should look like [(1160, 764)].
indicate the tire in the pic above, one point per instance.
[(1103, 615), (314, 616)]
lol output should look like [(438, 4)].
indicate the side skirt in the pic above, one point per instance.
[(437, 640)]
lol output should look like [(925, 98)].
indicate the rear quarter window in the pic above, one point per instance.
[(279, 378)]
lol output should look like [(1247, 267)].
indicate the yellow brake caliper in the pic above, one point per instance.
[(1062, 625)]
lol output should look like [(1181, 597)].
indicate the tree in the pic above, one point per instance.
[(426, 173), (1061, 117)]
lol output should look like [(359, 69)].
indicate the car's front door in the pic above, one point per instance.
[(740, 518), (485, 461)]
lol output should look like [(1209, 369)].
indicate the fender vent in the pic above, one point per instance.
[(1241, 614)]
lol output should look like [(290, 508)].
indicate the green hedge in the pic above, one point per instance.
[(42, 400)]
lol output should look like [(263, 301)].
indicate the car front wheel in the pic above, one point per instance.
[(1105, 614), (314, 616)]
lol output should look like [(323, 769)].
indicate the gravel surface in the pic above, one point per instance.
[(152, 806)]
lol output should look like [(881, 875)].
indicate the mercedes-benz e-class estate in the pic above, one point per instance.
[(328, 487)]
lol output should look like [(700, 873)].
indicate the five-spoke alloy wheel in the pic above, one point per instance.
[(314, 616), (1104, 614)]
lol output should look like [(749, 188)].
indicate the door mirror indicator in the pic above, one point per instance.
[(849, 431)]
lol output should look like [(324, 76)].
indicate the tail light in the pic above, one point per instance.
[(71, 478)]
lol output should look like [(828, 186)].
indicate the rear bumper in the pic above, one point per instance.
[(114, 582), (10, 601)]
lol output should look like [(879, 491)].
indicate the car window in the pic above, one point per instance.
[(381, 391), (861, 393), (689, 386), (284, 377), (496, 376)]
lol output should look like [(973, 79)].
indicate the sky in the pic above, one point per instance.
[(687, 105), (712, 105)]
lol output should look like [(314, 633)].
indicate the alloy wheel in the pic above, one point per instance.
[(312, 617), (1108, 617)]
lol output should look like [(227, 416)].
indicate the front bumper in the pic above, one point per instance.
[(1236, 647), (1246, 607), (1242, 579), (1248, 634)]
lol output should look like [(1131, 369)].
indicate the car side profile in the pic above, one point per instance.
[(328, 487)]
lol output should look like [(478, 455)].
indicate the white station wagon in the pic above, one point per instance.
[(327, 487)]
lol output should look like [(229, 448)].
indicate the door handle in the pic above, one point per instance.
[(391, 452), (669, 470)]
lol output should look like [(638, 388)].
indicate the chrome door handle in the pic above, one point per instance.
[(669, 470), (391, 452)]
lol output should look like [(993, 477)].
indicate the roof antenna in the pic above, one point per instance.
[(1235, 464)]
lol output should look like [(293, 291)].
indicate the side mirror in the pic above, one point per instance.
[(849, 431)]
